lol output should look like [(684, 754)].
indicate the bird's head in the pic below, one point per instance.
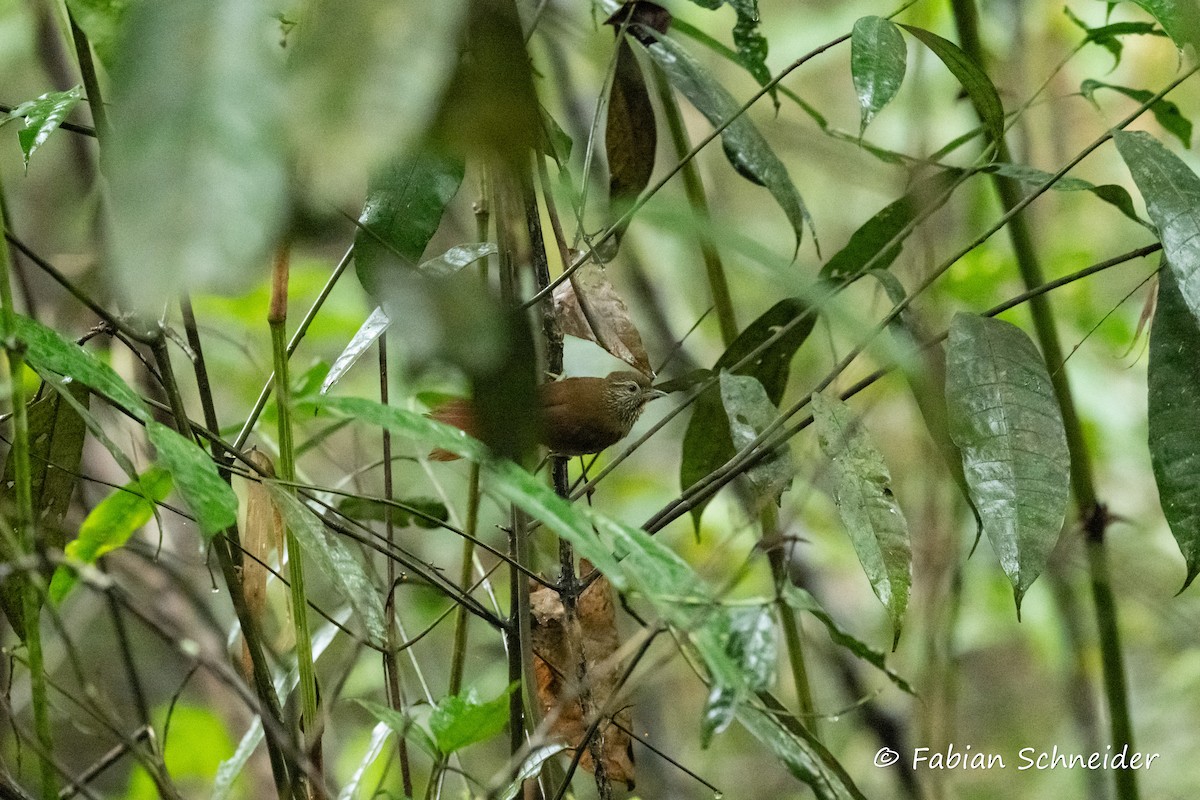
[(626, 394)]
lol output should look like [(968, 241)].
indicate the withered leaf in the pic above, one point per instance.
[(630, 135), (263, 529), (588, 307), (558, 667)]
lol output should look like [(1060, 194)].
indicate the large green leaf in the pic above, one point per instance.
[(196, 161), (463, 719), (335, 561), (749, 412), (404, 207), (745, 147), (1174, 406), (979, 87), (878, 59), (42, 118), (751, 644), (707, 443), (212, 501), (1172, 194), (47, 349), (1006, 420), (866, 504), (110, 524)]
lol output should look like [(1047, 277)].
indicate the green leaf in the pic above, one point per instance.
[(380, 735), (403, 724), (866, 504), (531, 767), (368, 333), (1108, 36), (750, 43), (42, 118), (973, 79), (801, 600), (56, 434), (505, 478), (874, 235), (463, 719), (65, 388), (334, 560), (404, 207), (1006, 420), (801, 752), (1172, 194), (749, 412), (456, 258), (744, 146), (1179, 18), (1166, 113), (47, 349), (210, 121), (1110, 193), (707, 443), (751, 643), (110, 524), (878, 59), (423, 512), (1173, 384), (210, 498)]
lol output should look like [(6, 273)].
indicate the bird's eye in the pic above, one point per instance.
[(631, 388)]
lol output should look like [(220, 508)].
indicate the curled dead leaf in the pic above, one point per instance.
[(588, 307), (558, 667)]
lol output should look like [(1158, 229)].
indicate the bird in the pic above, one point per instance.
[(579, 416)]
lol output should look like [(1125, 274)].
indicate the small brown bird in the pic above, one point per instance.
[(579, 415)]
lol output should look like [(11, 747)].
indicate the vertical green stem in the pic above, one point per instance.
[(391, 665), (23, 524), (31, 598), (1082, 483), (769, 519), (277, 319), (694, 187), (91, 83)]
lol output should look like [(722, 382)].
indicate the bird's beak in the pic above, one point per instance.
[(654, 394)]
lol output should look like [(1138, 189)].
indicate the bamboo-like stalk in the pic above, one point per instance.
[(26, 536), (227, 548), (1083, 485), (277, 320)]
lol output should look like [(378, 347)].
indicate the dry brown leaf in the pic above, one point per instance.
[(557, 666), (588, 307), (263, 528)]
